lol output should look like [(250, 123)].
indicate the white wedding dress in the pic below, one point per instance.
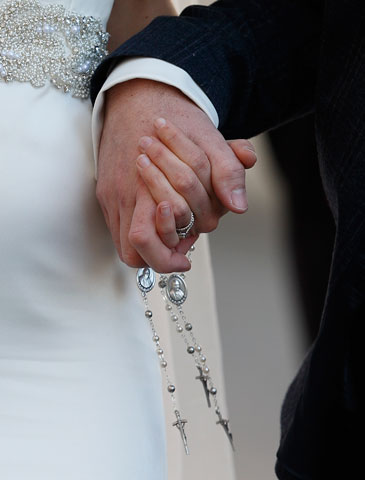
[(80, 383)]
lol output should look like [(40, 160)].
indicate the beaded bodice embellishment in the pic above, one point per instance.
[(40, 43)]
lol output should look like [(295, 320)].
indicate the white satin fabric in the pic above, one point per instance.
[(80, 382)]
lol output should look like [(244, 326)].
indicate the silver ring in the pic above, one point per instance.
[(184, 231)]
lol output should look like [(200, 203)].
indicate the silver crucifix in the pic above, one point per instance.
[(204, 381), (180, 425), (225, 426)]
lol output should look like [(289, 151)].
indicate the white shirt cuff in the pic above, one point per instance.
[(151, 69)]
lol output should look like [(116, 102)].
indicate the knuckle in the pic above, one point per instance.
[(186, 184), (125, 201), (170, 133), (181, 213), (156, 150), (243, 143), (137, 238), (229, 172), (248, 144), (100, 192), (199, 161), (166, 230)]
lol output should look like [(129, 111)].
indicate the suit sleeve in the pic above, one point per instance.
[(256, 60)]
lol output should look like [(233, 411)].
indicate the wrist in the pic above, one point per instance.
[(146, 100), (142, 87)]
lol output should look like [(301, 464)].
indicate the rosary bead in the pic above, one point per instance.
[(168, 307), (198, 348), (191, 350), (188, 327), (213, 391), (162, 284), (148, 314), (156, 338), (174, 318), (202, 358), (206, 370), (192, 248), (171, 388), (163, 364), (159, 351), (179, 328)]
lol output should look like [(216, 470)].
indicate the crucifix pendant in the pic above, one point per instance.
[(225, 426), (180, 425), (204, 381)]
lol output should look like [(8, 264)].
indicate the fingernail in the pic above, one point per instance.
[(143, 161), (160, 122), (165, 210), (250, 149), (239, 200), (145, 142)]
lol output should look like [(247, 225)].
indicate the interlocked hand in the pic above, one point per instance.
[(128, 205)]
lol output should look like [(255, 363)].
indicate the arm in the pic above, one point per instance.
[(130, 16), (256, 60)]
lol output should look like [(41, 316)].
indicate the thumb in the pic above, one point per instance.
[(228, 180)]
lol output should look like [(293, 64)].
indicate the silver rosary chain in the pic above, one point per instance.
[(174, 293)]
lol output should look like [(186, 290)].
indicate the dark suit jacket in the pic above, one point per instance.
[(262, 63)]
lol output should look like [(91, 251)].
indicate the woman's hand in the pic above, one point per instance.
[(178, 175)]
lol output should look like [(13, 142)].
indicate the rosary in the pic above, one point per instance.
[(174, 293)]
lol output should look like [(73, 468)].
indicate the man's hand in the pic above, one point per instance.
[(129, 209)]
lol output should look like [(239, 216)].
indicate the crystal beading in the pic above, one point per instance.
[(40, 43)]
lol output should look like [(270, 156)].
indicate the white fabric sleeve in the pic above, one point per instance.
[(152, 69)]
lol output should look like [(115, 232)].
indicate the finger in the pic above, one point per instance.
[(126, 208), (106, 216), (228, 175), (111, 218), (161, 189), (113, 211), (181, 245), (145, 239), (166, 225), (113, 223), (129, 255), (182, 179), (126, 252), (244, 151), (185, 149)]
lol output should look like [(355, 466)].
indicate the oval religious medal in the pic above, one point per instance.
[(146, 279), (176, 290)]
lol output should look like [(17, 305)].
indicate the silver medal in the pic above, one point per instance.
[(146, 279), (176, 289)]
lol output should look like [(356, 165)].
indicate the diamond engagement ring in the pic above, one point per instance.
[(184, 231)]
